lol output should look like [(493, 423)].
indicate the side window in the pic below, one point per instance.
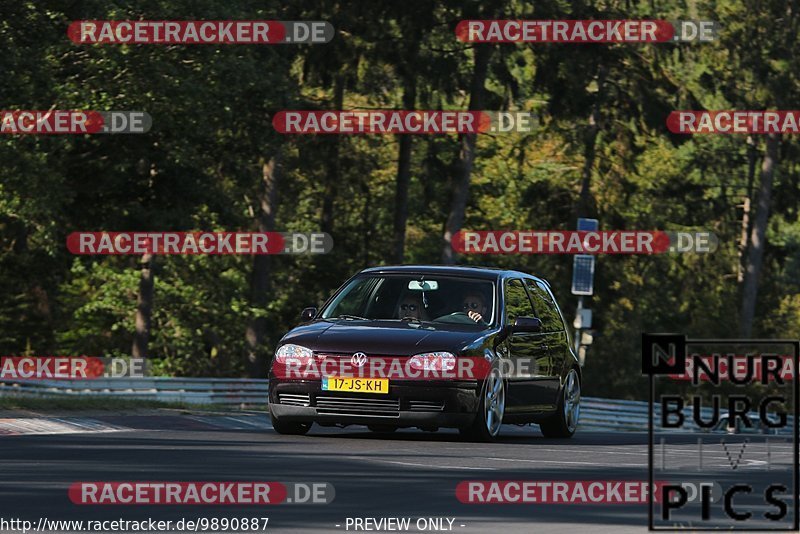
[(548, 313), (517, 302), (354, 299)]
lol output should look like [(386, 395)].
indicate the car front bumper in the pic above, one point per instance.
[(408, 404)]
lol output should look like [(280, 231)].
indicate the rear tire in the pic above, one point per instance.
[(489, 419), (565, 421), (289, 428)]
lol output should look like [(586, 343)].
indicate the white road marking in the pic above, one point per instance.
[(564, 462), (459, 467), (42, 426)]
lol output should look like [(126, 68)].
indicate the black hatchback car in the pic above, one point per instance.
[(420, 326)]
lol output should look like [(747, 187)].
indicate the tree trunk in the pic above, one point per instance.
[(260, 277), (755, 253), (144, 308), (365, 223), (585, 204), (403, 178), (752, 156), (585, 197), (333, 175), (743, 239), (467, 155)]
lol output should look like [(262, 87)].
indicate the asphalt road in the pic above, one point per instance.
[(406, 474)]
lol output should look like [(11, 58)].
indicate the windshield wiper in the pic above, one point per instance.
[(352, 317), (411, 319)]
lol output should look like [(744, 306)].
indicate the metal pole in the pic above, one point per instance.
[(699, 454), (578, 330)]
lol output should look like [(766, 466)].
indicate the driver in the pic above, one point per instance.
[(474, 305)]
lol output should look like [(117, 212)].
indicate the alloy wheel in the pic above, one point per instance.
[(572, 400), (494, 402)]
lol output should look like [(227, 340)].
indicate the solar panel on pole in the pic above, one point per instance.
[(583, 274)]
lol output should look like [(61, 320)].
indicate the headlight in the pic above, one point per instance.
[(433, 361), (293, 355)]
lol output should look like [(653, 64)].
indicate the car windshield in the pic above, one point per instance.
[(416, 298)]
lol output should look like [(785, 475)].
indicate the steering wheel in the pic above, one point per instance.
[(455, 317)]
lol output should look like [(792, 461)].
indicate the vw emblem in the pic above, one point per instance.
[(359, 359)]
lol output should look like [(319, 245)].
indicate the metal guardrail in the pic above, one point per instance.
[(611, 414), (626, 415), (596, 413), (230, 391)]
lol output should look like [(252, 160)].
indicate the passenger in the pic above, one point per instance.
[(411, 306)]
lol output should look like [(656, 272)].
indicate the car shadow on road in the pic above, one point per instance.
[(511, 436)]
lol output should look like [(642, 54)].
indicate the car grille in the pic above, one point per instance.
[(294, 399), (425, 406), (358, 406), (345, 356)]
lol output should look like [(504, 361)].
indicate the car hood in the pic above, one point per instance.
[(387, 338)]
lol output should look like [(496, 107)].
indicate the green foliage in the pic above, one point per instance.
[(200, 166)]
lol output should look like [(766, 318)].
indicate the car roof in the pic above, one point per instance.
[(453, 270)]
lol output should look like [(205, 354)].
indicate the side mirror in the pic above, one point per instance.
[(308, 314), (526, 325)]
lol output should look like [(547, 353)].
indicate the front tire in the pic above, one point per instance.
[(491, 409), (289, 428), (565, 421)]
